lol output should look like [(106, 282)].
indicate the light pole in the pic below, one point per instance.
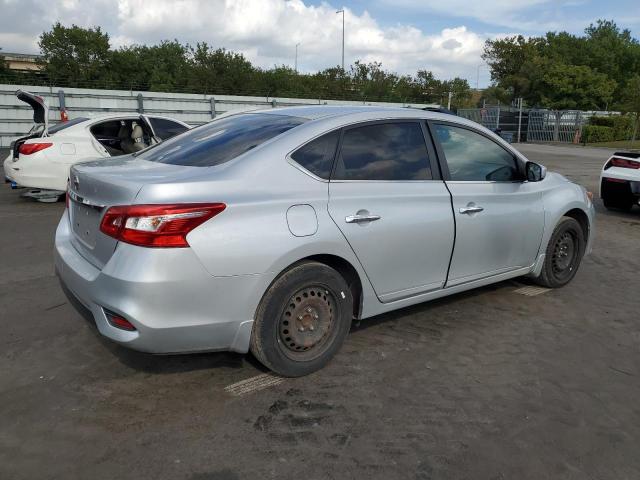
[(478, 76), (296, 64), (342, 12)]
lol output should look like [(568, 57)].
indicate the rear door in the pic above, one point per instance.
[(387, 198), (499, 216)]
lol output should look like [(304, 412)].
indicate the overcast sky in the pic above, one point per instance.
[(445, 36)]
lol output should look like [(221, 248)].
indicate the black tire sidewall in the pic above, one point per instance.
[(566, 224), (268, 345)]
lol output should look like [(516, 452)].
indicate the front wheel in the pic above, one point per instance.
[(302, 320), (563, 255)]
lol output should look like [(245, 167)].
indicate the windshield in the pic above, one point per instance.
[(221, 140)]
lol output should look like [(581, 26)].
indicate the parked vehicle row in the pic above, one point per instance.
[(40, 161), (271, 231)]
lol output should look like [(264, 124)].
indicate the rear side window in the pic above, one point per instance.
[(317, 155), (165, 129), (384, 151), (221, 140)]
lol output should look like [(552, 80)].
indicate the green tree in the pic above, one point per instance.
[(513, 60), (460, 90), (495, 95), (631, 101), (220, 70), (576, 87), (75, 55)]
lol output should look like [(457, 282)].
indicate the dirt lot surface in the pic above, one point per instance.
[(490, 384)]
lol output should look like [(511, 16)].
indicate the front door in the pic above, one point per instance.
[(499, 216), (392, 207)]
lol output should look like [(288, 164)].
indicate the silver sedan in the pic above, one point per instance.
[(271, 231)]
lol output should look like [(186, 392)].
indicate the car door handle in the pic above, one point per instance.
[(471, 209), (361, 218)]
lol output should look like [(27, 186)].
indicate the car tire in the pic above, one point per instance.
[(302, 320), (616, 196), (563, 254)]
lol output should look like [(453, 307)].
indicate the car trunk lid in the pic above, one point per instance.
[(96, 186), (40, 119)]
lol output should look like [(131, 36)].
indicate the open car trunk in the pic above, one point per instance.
[(40, 118)]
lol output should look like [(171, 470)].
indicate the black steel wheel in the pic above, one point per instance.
[(563, 255), (302, 320)]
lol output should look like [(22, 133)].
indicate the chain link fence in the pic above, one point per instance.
[(530, 125)]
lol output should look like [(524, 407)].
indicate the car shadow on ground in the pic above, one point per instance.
[(425, 307)]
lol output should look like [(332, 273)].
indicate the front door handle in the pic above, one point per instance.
[(361, 218), (469, 209)]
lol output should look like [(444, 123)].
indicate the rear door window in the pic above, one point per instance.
[(384, 151), (165, 129), (221, 140), (317, 155)]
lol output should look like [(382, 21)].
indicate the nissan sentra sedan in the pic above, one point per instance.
[(271, 231)]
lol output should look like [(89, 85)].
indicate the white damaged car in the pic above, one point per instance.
[(40, 161), (620, 181)]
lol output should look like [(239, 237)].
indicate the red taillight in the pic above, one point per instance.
[(29, 148), (157, 225), (119, 322), (624, 163)]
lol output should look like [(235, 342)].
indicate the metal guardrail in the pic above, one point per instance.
[(194, 109)]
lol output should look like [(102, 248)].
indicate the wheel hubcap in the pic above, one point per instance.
[(307, 322)]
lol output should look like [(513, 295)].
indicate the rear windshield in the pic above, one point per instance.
[(63, 125), (221, 140)]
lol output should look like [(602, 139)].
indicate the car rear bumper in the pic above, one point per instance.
[(615, 176), (175, 305)]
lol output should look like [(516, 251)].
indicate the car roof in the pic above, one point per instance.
[(314, 112)]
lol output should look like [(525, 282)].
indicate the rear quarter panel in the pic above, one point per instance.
[(252, 235)]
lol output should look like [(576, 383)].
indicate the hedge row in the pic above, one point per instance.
[(597, 133), (621, 126)]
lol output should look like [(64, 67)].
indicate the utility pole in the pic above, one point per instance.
[(519, 118), (296, 64), (342, 12), (449, 101)]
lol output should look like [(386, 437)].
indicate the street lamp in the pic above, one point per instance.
[(342, 12), (478, 75), (296, 64)]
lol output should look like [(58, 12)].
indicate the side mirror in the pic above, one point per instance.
[(535, 172)]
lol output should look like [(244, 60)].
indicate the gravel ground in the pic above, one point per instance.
[(489, 384)]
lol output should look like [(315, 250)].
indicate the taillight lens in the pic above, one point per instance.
[(624, 163), (157, 225), (29, 148), (119, 322)]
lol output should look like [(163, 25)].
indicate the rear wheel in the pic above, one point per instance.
[(616, 196), (302, 320), (563, 255)]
